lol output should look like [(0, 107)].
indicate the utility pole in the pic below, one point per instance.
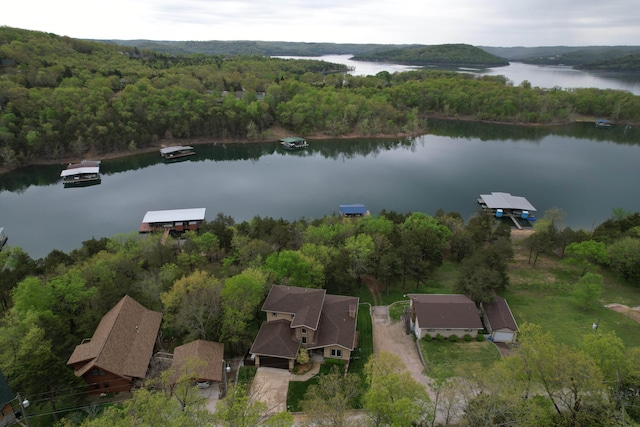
[(23, 404)]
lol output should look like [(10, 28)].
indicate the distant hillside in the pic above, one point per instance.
[(248, 47), (438, 55), (562, 55), (629, 63)]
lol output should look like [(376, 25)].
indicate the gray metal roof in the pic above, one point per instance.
[(168, 150), (506, 201), (79, 171), (196, 214)]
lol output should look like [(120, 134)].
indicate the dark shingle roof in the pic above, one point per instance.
[(122, 343), (6, 395), (337, 327), (304, 303), (209, 352), (499, 314), (446, 311), (276, 339)]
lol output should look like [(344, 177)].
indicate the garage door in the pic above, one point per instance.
[(274, 362), (503, 336)]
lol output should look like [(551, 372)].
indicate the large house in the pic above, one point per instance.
[(324, 325), (120, 350), (446, 315), (499, 320)]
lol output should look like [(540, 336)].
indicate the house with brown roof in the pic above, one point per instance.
[(499, 320), (120, 350), (446, 315), (204, 360), (324, 325)]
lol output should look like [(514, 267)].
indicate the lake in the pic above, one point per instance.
[(539, 76), (581, 169)]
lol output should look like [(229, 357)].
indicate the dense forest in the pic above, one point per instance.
[(451, 55), (62, 97), (629, 63), (210, 285), (562, 55)]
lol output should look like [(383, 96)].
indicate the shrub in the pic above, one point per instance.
[(440, 338), (468, 337), (453, 338), (480, 337), (427, 338)]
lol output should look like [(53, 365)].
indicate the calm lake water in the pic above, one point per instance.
[(578, 168), (539, 76)]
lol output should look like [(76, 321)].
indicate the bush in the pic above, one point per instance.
[(480, 337), (440, 338), (428, 338), (453, 338), (468, 337)]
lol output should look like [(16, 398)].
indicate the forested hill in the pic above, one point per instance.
[(564, 55), (253, 47), (629, 63), (64, 98), (437, 55)]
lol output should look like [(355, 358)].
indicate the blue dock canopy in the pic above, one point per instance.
[(353, 209)]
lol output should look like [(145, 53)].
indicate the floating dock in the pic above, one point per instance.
[(505, 205)]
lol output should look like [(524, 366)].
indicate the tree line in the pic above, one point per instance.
[(63, 97)]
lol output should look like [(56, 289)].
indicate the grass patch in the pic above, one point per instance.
[(442, 358), (396, 310), (246, 374), (361, 354)]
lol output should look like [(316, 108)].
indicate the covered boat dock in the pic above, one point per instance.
[(506, 205), (354, 210), (175, 220)]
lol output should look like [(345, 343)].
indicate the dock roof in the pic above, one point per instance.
[(168, 150), (79, 171), (353, 209), (497, 200), (195, 214)]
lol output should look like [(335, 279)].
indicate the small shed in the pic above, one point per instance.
[(353, 210), (209, 364)]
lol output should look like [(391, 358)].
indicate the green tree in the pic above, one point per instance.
[(624, 257), (243, 408), (327, 403), (295, 269), (588, 289), (360, 248), (587, 254), (393, 397), (193, 306)]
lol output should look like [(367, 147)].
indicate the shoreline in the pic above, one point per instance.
[(272, 135)]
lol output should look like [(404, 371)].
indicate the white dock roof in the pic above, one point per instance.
[(168, 150), (506, 201), (79, 171), (196, 214)]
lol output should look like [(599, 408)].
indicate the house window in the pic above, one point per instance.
[(468, 330), (304, 340), (97, 372), (336, 352), (304, 331), (274, 314), (431, 330)]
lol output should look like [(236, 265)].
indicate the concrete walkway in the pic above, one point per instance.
[(307, 375)]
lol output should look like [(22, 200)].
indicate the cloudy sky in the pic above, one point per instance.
[(476, 22)]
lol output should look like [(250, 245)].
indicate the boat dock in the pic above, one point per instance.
[(176, 220), (354, 210), (3, 238), (176, 152), (504, 205), (85, 173)]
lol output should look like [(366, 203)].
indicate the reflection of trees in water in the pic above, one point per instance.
[(343, 149)]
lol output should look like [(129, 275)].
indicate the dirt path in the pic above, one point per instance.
[(390, 337), (374, 288)]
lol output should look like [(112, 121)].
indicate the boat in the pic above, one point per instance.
[(603, 124), (294, 142), (3, 238), (82, 174), (176, 152)]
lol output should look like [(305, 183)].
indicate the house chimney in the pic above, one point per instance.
[(352, 311)]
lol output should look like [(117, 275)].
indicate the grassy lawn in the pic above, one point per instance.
[(543, 295), (396, 310), (442, 358)]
